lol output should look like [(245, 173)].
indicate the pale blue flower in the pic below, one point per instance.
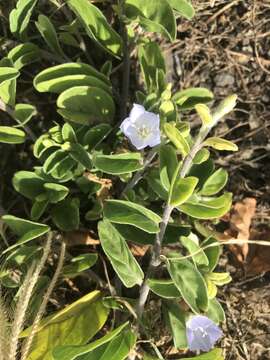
[(202, 333), (141, 127)]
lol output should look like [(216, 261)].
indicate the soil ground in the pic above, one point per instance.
[(226, 48)]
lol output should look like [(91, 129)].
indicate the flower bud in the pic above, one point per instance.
[(224, 108)]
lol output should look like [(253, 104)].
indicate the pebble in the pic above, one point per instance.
[(224, 79)]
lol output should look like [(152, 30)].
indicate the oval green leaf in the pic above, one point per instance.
[(215, 182), (10, 135), (126, 212), (86, 105), (118, 164), (184, 273), (121, 258)]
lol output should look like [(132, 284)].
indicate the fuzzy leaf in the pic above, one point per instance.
[(121, 258)]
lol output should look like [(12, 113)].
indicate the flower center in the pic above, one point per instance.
[(201, 332), (143, 131)]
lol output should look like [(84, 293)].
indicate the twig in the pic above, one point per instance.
[(226, 7)]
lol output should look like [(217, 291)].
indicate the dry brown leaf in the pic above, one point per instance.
[(240, 222), (80, 237), (259, 256), (138, 250), (106, 185)]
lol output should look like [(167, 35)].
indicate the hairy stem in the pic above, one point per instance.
[(155, 258), (139, 174), (42, 308)]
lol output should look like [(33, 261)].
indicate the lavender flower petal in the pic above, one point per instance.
[(202, 333)]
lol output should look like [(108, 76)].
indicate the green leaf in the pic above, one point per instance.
[(219, 279), (126, 212), (183, 7), (63, 169), (189, 282), (224, 108), (138, 236), (60, 84), (38, 209), (193, 247), (86, 105), (66, 215), (220, 144), (47, 31), (76, 324), (177, 138), (212, 253), (8, 73), (79, 154), (8, 87), (20, 16), (181, 189), (62, 77), (187, 99), (121, 258), (153, 15), (79, 264), (68, 133), (73, 352), (208, 209), (24, 54), (97, 26), (23, 113), (202, 171), (22, 255), (53, 160), (205, 114), (167, 111), (167, 165), (151, 60), (154, 182), (215, 311), (28, 184), (95, 135), (25, 229), (10, 135), (164, 288), (118, 164), (215, 354), (201, 156), (55, 192), (175, 319), (215, 182), (118, 348)]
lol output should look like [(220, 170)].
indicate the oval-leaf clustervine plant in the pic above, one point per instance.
[(143, 178)]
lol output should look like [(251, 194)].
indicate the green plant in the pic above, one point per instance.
[(93, 169)]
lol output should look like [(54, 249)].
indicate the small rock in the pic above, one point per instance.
[(224, 79)]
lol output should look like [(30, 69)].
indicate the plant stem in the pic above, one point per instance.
[(126, 62), (136, 178), (155, 258)]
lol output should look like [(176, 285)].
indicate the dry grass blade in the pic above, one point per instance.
[(4, 330), (41, 311), (26, 292)]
